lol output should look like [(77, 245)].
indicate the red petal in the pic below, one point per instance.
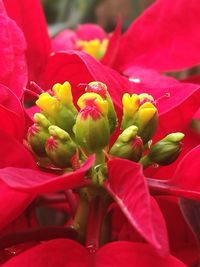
[(177, 110), (187, 174), (12, 204), (59, 252), (65, 40), (113, 45), (159, 38), (120, 254), (128, 187), (13, 153), (181, 239), (13, 72), (35, 30), (89, 32), (11, 113), (40, 182), (78, 67), (185, 181), (148, 77), (190, 141)]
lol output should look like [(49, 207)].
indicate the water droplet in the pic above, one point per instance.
[(134, 80), (92, 248), (155, 165)]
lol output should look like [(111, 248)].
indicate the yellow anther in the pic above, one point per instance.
[(147, 105), (82, 101), (130, 104), (47, 103), (145, 114), (102, 106), (95, 48), (63, 92)]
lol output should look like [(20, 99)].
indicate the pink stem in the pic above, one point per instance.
[(72, 201)]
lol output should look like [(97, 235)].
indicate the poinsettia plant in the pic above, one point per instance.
[(73, 157)]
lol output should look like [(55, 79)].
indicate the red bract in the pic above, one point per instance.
[(13, 72), (39, 182), (183, 98), (181, 239), (67, 39), (118, 254), (128, 187), (159, 38), (13, 154), (12, 113), (35, 32), (185, 181)]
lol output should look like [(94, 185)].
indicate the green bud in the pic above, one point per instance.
[(38, 134), (59, 147), (140, 111), (59, 108), (92, 134), (128, 145), (166, 150), (101, 89)]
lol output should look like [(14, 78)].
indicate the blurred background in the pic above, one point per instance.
[(68, 13)]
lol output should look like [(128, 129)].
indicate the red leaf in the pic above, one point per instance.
[(90, 31), (113, 45), (187, 174), (35, 30), (190, 141), (78, 67), (128, 187), (38, 182), (67, 253), (13, 153), (148, 77), (59, 252), (159, 38), (185, 181), (65, 40), (119, 254), (181, 239), (12, 204), (11, 113), (13, 72), (177, 110)]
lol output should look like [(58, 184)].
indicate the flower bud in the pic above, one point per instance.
[(59, 147), (92, 127), (59, 108), (96, 48), (140, 111), (101, 89), (128, 145), (166, 150), (38, 134)]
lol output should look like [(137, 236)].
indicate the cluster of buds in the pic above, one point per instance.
[(61, 133)]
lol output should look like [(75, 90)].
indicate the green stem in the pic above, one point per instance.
[(81, 216), (145, 162), (100, 157)]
